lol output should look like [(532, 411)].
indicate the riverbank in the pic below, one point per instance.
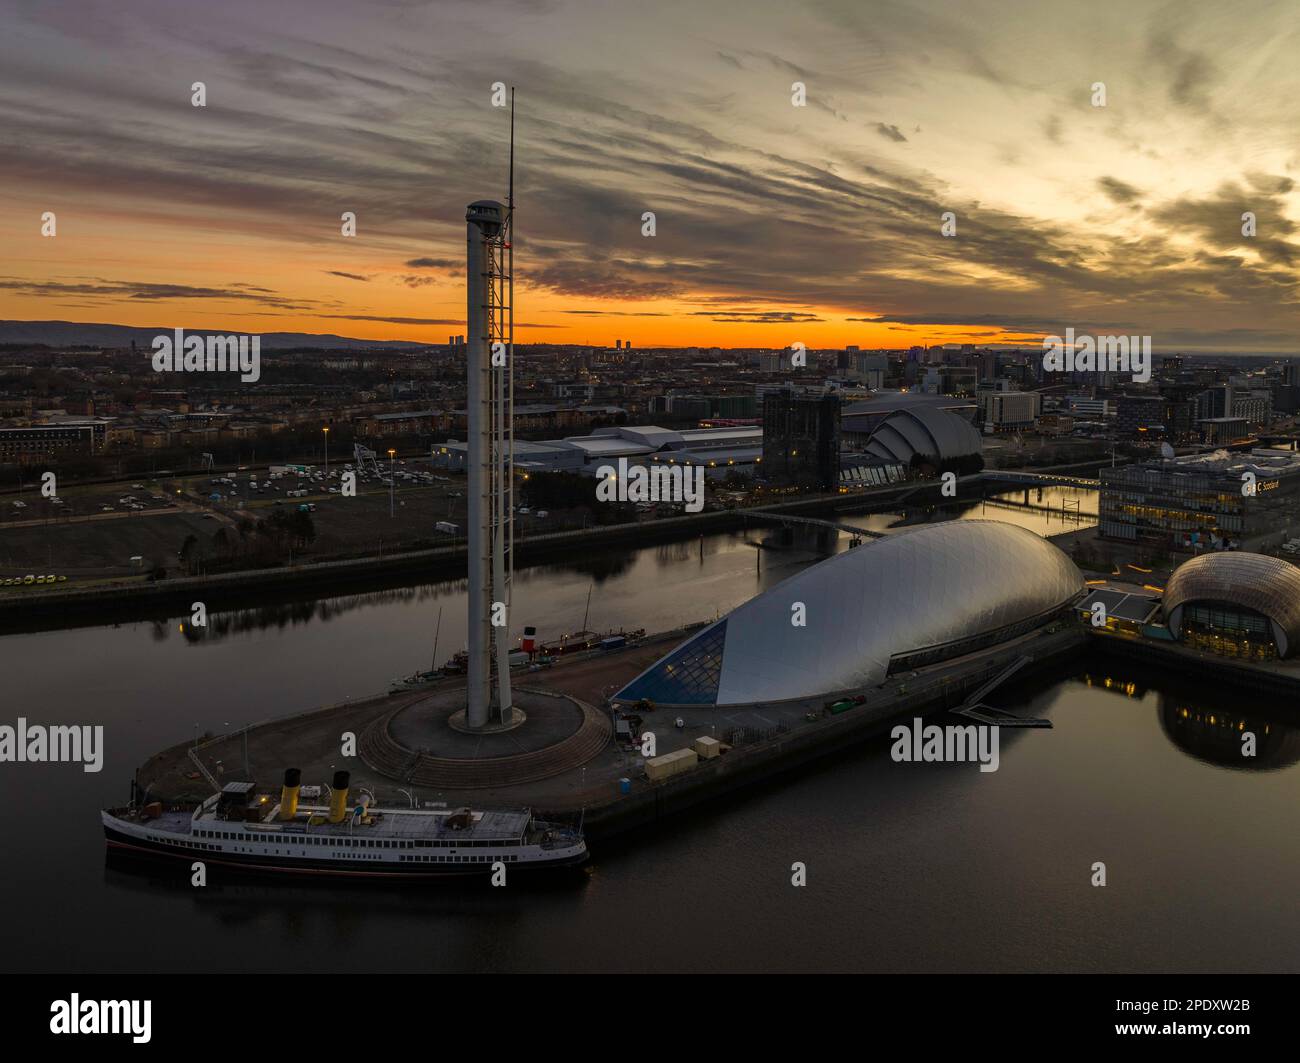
[(1274, 677), (30, 609)]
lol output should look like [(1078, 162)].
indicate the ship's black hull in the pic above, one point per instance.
[(126, 843)]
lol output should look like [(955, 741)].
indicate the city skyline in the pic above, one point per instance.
[(775, 224)]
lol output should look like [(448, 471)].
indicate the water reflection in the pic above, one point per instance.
[(334, 913), (1216, 735), (613, 571), (1210, 732), (600, 565), (1125, 686), (1045, 511), (286, 614)]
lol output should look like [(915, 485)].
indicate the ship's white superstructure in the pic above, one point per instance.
[(240, 828)]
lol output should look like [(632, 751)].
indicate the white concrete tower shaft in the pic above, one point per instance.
[(489, 401)]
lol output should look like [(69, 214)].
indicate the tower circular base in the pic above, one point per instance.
[(425, 741), (457, 722)]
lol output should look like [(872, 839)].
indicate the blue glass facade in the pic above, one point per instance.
[(688, 676)]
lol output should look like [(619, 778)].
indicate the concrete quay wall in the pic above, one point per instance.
[(751, 765)]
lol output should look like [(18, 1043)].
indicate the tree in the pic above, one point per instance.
[(188, 553), (301, 527), (222, 544)]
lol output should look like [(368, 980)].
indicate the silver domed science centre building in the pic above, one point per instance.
[(909, 599)]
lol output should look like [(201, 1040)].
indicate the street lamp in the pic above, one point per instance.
[(326, 430), (391, 480)]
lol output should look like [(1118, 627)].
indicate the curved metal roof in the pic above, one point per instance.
[(1266, 585), (912, 590), (925, 430)]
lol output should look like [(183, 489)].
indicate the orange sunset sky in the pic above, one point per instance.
[(775, 223)]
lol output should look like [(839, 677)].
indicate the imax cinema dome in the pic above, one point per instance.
[(1233, 601), (906, 600)]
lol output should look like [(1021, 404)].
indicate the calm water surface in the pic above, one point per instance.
[(910, 867)]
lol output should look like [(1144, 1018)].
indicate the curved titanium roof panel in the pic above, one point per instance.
[(1267, 585), (890, 444), (908, 591), (916, 432), (926, 430)]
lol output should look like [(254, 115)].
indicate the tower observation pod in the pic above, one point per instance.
[(490, 357)]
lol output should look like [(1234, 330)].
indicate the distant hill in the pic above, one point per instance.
[(76, 333)]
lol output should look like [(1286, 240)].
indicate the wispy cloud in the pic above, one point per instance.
[(1066, 212)]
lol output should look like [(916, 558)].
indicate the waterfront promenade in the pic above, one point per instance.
[(763, 739)]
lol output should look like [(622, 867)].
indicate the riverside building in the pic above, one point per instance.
[(1215, 501)]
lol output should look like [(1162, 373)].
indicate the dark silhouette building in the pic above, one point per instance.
[(801, 439)]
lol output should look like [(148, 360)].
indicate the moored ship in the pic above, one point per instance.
[(579, 641), (240, 828), (416, 681)]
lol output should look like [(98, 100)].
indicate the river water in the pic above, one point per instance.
[(910, 867)]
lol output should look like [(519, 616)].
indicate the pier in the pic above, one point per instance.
[(975, 709), (761, 741)]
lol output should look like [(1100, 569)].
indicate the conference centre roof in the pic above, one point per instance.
[(923, 431)]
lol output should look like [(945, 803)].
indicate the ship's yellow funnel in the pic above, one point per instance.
[(289, 793), (339, 798)]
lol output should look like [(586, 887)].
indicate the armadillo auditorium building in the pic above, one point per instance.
[(907, 600)]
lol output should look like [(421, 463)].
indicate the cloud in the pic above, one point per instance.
[(398, 320), (759, 204), (1118, 190), (619, 313), (1217, 221), (1190, 74), (758, 317), (113, 291), (458, 322)]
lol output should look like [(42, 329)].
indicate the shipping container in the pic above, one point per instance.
[(707, 748), (659, 768)]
